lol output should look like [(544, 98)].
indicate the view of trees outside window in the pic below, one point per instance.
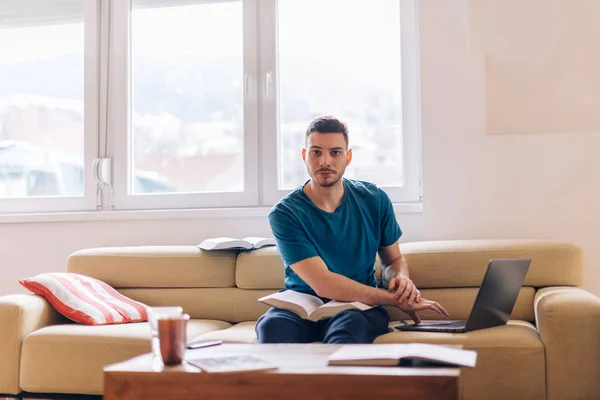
[(187, 96)]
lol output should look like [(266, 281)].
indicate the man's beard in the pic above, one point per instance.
[(328, 184)]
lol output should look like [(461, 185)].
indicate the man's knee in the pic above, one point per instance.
[(351, 318), (348, 326), (268, 326), (280, 326), (354, 326)]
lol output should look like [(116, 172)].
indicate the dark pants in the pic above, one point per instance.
[(350, 326)]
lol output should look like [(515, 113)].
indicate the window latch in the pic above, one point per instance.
[(102, 168)]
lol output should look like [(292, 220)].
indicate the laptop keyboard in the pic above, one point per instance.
[(454, 328), (458, 324)]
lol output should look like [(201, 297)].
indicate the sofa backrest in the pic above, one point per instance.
[(225, 285)]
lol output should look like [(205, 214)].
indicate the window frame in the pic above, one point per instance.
[(121, 129), (87, 201)]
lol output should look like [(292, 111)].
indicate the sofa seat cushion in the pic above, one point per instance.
[(242, 332), (513, 350), (70, 358)]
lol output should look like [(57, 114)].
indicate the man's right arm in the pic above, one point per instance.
[(334, 286)]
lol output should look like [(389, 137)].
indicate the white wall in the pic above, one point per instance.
[(475, 185), (497, 186)]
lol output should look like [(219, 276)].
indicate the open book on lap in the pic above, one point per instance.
[(227, 243), (308, 306), (410, 354)]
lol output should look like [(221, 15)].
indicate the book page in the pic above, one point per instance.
[(366, 355), (220, 243), (300, 303), (259, 242), (354, 304), (333, 307)]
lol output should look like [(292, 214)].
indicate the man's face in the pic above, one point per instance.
[(326, 157)]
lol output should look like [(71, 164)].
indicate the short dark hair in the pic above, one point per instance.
[(328, 124)]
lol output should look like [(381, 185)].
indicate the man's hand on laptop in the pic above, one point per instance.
[(406, 291), (424, 304)]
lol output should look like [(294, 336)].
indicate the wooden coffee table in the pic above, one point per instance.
[(303, 374)]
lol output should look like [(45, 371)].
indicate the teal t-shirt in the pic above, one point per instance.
[(347, 240)]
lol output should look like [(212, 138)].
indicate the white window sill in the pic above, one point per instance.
[(214, 213)]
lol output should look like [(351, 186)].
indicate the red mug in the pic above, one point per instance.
[(172, 338)]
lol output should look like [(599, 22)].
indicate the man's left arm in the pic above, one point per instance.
[(395, 275)]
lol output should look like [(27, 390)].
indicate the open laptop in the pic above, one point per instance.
[(494, 303)]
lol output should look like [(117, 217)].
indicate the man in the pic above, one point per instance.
[(328, 233)]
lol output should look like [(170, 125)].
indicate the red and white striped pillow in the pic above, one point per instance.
[(86, 300)]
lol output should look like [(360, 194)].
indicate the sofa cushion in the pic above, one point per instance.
[(259, 269), (70, 358), (513, 350), (238, 333), (442, 264), (462, 263), (156, 266), (202, 303), (85, 300)]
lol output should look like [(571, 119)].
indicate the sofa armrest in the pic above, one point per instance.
[(19, 316), (568, 321)]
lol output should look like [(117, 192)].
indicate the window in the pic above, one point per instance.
[(347, 65), (185, 122), (187, 98), (200, 103), (356, 59), (42, 115)]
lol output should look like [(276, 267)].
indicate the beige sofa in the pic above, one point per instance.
[(550, 348)]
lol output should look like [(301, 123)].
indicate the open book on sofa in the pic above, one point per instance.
[(309, 307), (410, 354), (227, 243)]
